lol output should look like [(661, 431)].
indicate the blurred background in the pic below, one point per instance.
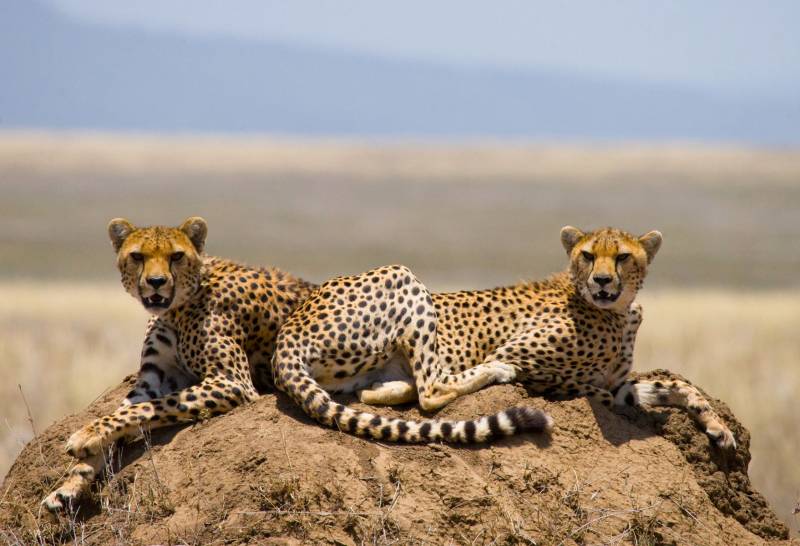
[(327, 138)]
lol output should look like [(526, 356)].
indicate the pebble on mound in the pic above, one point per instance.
[(266, 474)]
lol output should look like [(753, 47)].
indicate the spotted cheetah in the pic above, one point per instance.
[(381, 325), (383, 336), (207, 346)]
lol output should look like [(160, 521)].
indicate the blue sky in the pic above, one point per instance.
[(736, 48), (705, 71)]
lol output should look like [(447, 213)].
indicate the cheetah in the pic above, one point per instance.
[(384, 337), (381, 325), (207, 346)]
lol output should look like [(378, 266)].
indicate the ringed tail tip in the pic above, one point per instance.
[(527, 419)]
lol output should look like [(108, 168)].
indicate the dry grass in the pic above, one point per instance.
[(65, 343)]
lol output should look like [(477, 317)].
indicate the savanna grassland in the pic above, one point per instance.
[(722, 304)]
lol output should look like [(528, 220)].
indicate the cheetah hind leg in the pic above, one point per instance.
[(391, 385), (389, 393)]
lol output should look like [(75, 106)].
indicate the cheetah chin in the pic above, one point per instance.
[(156, 301), (603, 297)]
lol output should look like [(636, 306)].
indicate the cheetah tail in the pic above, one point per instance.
[(317, 403)]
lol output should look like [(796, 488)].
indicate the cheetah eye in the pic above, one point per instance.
[(176, 257), (136, 256), (588, 256), (622, 257)]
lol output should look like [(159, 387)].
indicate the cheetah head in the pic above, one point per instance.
[(608, 266), (160, 266)]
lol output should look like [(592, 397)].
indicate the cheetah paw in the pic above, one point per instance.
[(722, 436), (85, 442), (61, 500)]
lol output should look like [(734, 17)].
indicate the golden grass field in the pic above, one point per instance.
[(722, 304)]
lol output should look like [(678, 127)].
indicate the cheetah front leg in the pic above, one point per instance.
[(634, 392), (79, 480), (539, 376), (160, 372), (662, 393), (213, 396), (622, 368), (217, 393)]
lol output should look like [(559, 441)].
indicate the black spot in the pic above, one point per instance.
[(402, 429), (447, 430), (494, 426), (469, 429), (425, 429)]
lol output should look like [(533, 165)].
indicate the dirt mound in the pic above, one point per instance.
[(267, 474)]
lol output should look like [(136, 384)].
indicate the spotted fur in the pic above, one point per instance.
[(572, 334), (382, 335), (206, 348), (382, 325)]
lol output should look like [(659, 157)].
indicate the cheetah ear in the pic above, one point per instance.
[(118, 231), (570, 237), (651, 242), (196, 229)]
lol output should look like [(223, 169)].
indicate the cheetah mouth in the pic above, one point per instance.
[(605, 297), (156, 301)]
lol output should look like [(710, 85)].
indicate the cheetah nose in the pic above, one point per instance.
[(602, 280), (155, 282)]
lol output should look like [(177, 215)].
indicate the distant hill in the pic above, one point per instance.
[(59, 73)]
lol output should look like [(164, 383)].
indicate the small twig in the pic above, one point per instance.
[(28, 409), (148, 448), (30, 420)]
